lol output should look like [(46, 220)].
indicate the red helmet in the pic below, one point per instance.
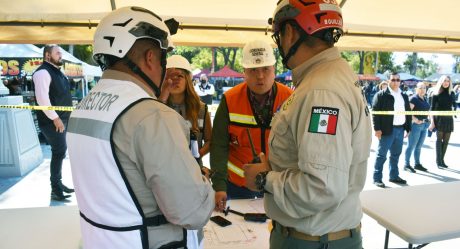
[(311, 15)]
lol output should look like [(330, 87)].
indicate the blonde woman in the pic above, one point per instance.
[(419, 128), (444, 125), (383, 85), (179, 94)]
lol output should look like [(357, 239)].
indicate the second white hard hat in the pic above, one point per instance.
[(177, 61), (258, 53)]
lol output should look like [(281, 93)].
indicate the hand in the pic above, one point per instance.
[(431, 127), (221, 201), (378, 134), (251, 171), (206, 172), (165, 89), (59, 125)]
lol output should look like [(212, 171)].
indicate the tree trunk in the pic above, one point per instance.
[(214, 59), (377, 62), (413, 66), (361, 62), (232, 60)]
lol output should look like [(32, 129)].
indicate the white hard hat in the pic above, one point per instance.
[(258, 53), (119, 30), (177, 61)]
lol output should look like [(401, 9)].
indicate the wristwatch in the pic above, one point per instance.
[(261, 179)]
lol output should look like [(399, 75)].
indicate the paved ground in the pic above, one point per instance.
[(33, 190)]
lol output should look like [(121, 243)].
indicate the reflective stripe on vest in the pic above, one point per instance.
[(235, 169), (242, 119)]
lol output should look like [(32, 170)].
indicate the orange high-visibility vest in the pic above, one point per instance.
[(242, 117)]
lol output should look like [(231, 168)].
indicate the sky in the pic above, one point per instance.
[(445, 61)]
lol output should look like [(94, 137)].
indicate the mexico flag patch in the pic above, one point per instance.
[(323, 120)]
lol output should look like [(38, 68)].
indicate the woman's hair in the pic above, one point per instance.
[(382, 83), (191, 100), (438, 88)]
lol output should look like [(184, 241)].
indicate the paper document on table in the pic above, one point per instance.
[(236, 236), (230, 234)]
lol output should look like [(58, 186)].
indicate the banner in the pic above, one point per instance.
[(26, 67)]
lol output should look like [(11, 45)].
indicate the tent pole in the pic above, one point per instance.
[(112, 3)]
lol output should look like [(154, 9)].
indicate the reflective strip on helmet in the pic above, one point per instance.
[(244, 119), (147, 30), (330, 7), (235, 169)]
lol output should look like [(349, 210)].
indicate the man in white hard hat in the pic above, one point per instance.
[(247, 106), (136, 181)]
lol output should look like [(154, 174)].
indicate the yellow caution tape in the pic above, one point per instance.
[(214, 108), (434, 113), (41, 108)]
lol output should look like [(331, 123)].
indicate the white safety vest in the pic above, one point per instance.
[(111, 216)]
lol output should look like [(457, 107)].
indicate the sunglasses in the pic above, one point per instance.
[(395, 80)]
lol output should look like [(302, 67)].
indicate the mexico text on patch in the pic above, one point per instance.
[(323, 120)]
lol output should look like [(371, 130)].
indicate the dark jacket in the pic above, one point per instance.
[(59, 93), (384, 101)]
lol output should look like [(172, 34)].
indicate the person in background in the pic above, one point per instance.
[(52, 88), (420, 124), (383, 85), (179, 94), (247, 106), (444, 125), (456, 98), (390, 129), (320, 139), (137, 184), (205, 90)]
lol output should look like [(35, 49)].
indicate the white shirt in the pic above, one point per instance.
[(42, 81), (203, 90), (398, 106)]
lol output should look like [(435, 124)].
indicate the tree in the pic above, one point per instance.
[(229, 55), (203, 59), (383, 61), (423, 68), (187, 52)]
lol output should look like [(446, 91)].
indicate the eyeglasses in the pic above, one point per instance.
[(395, 80)]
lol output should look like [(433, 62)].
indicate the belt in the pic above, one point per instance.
[(399, 126), (291, 232)]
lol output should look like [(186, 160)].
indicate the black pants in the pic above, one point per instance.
[(58, 145), (442, 141)]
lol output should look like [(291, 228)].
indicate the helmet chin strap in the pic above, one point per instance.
[(138, 71), (291, 51)]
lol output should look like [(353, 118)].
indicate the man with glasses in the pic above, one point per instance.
[(320, 139), (247, 106), (390, 129)]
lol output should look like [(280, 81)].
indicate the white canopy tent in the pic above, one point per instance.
[(385, 25), (19, 50)]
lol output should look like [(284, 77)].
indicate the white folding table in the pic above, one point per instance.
[(417, 214), (59, 227)]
